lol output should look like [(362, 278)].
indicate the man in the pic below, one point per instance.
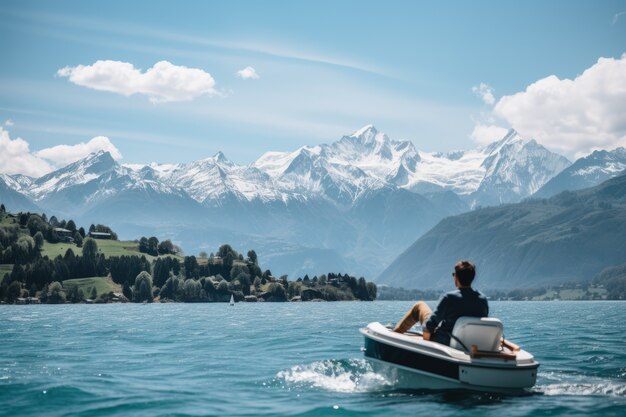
[(463, 302)]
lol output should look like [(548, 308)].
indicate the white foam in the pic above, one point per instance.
[(353, 375), (604, 389)]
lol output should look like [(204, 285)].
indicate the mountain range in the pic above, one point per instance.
[(586, 172), (570, 237), (352, 205)]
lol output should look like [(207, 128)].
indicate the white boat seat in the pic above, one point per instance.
[(483, 332)]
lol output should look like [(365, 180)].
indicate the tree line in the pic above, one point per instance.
[(169, 277)]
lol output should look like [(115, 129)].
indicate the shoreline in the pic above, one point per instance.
[(300, 302)]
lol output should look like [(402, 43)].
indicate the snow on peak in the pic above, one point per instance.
[(221, 158), (515, 168), (512, 138), (368, 129), (339, 172), (601, 163), (511, 135), (93, 166), (135, 167)]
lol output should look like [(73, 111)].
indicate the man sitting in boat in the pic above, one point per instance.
[(465, 301)]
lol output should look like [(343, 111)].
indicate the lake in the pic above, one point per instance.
[(284, 359)]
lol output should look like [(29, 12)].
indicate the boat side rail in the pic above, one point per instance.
[(413, 343)]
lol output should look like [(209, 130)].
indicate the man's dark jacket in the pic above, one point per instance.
[(455, 304)]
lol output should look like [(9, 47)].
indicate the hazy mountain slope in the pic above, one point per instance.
[(395, 216), (569, 237), (613, 279)]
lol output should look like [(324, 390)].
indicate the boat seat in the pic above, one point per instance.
[(483, 332)]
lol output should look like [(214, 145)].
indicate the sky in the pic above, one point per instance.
[(155, 81)]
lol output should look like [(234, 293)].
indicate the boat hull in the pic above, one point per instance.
[(427, 365)]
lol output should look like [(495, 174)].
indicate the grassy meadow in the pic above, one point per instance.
[(101, 284), (108, 247)]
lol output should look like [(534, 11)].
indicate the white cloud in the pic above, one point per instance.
[(16, 157), (616, 17), (485, 92), (8, 123), (248, 73), (573, 116), (62, 155), (486, 134), (162, 83)]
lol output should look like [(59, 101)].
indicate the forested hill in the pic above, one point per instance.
[(567, 238), (54, 261)]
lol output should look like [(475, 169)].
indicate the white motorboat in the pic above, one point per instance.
[(478, 358)]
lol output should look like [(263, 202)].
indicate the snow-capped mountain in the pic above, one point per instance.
[(12, 198), (16, 182), (505, 171), (339, 173), (361, 200), (82, 184), (342, 171), (586, 172), (515, 168), (214, 180), (81, 172)]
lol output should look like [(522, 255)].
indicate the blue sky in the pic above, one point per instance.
[(325, 68)]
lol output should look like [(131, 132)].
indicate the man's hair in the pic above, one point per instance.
[(465, 271)]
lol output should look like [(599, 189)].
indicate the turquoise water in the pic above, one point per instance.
[(292, 359)]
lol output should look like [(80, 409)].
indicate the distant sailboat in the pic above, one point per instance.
[(232, 300)]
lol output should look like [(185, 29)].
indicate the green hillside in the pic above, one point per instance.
[(105, 246), (568, 238), (56, 262), (101, 284)]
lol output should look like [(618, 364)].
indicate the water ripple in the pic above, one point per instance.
[(300, 359)]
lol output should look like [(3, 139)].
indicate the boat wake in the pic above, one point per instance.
[(580, 385), (604, 389), (346, 375), (357, 376)]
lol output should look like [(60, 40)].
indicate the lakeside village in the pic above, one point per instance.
[(53, 261)]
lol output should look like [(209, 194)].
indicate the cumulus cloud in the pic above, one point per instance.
[(62, 155), (485, 134), (8, 123), (248, 73), (485, 92), (164, 82), (573, 116), (16, 157)]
